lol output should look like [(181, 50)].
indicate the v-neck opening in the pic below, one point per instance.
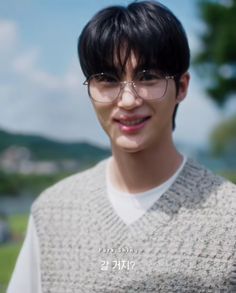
[(167, 206)]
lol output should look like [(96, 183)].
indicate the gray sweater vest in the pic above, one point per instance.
[(184, 243)]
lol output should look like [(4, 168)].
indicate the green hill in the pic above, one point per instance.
[(48, 149)]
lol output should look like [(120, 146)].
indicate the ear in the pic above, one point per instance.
[(183, 87)]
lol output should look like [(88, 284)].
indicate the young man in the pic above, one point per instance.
[(148, 219)]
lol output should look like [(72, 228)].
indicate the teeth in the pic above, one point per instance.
[(133, 122)]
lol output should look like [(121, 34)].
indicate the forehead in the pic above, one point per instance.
[(130, 62), (127, 64)]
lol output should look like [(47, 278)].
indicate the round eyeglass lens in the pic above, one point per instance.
[(151, 89), (103, 87)]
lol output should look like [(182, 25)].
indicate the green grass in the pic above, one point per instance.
[(18, 224), (8, 256), (10, 251)]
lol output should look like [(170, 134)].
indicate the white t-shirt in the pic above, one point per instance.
[(26, 277), (130, 207)]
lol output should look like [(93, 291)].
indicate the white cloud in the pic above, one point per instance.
[(25, 63), (34, 100), (8, 35)]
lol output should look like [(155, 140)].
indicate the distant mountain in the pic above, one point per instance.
[(48, 149)]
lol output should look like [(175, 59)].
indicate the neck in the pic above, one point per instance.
[(143, 170)]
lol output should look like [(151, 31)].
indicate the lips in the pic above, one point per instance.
[(131, 120), (131, 124)]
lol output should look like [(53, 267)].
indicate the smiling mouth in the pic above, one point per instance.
[(133, 122)]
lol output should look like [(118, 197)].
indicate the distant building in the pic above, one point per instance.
[(16, 159), (13, 158)]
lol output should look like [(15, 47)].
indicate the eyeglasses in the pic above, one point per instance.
[(147, 84)]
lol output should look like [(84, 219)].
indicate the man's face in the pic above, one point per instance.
[(134, 124)]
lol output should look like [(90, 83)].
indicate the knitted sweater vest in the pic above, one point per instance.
[(184, 243)]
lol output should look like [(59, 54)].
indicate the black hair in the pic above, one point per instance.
[(146, 28)]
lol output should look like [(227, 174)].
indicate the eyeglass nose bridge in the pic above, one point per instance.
[(126, 82), (131, 85)]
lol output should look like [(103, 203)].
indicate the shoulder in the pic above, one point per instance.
[(71, 188), (202, 174), (210, 185)]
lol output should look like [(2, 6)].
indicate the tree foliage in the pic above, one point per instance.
[(217, 59), (15, 184), (216, 63), (223, 138)]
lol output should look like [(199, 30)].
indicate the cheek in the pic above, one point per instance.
[(165, 108), (164, 112), (103, 113), (169, 103)]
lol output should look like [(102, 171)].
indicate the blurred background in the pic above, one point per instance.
[(47, 126)]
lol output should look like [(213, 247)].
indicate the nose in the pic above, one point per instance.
[(128, 97)]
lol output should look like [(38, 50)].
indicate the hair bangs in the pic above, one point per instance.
[(110, 48), (116, 32)]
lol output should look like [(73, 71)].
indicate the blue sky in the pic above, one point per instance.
[(41, 87)]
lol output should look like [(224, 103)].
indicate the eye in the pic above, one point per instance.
[(105, 78), (148, 76)]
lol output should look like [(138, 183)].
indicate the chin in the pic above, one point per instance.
[(131, 150), (128, 145)]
